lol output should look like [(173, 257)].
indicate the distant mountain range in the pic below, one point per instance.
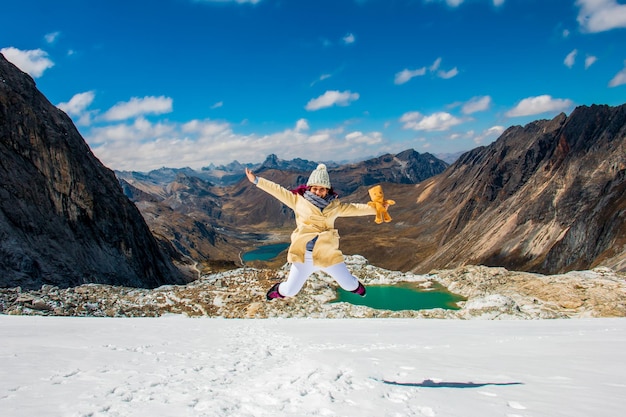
[(547, 197), (230, 174), (207, 221)]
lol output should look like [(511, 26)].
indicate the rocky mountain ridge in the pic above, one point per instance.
[(64, 220), (548, 197)]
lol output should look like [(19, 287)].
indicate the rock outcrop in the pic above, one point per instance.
[(491, 294), (64, 220)]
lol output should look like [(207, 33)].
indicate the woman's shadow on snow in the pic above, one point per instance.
[(429, 383)]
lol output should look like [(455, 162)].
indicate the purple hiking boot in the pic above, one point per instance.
[(273, 292), (360, 290)]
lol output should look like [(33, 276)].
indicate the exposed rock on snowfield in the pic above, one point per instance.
[(64, 220), (492, 293), (597, 293)]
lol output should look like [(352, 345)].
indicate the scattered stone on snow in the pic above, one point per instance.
[(491, 293)]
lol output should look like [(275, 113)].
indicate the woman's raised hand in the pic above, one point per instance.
[(250, 175)]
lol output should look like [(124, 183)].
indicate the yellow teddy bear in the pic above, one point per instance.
[(380, 204)]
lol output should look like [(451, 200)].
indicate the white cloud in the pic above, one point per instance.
[(447, 74), (540, 104), (332, 98), (218, 105), (620, 78), (406, 74), (476, 104), (321, 78), (143, 145), (601, 15), (302, 125), (52, 37), (77, 107), (439, 121), (318, 138), (33, 62), (457, 3), (590, 60), (489, 135), (203, 128), (139, 106), (348, 39), (369, 139), (435, 66), (570, 59)]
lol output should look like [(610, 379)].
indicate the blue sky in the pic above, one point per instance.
[(191, 82)]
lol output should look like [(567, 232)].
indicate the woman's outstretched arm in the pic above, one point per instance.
[(285, 196)]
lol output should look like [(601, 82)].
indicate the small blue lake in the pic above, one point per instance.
[(402, 296), (265, 252)]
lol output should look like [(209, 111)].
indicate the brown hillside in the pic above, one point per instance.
[(548, 197)]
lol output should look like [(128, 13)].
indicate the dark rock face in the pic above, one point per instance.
[(185, 213), (274, 162), (64, 219)]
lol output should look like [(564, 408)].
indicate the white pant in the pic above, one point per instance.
[(300, 272)]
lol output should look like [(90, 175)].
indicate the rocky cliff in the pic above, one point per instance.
[(548, 197), (64, 220)]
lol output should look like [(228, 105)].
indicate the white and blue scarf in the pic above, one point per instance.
[(317, 201)]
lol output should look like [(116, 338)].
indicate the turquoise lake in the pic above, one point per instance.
[(402, 296), (265, 252)]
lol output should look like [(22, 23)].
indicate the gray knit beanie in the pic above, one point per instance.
[(319, 177)]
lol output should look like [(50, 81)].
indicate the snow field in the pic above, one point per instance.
[(177, 366)]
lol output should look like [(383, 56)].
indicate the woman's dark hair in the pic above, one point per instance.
[(301, 189)]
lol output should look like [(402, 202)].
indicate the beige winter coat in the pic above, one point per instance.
[(312, 222)]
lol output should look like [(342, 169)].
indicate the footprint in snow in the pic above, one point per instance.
[(397, 397), (427, 411), (516, 405)]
